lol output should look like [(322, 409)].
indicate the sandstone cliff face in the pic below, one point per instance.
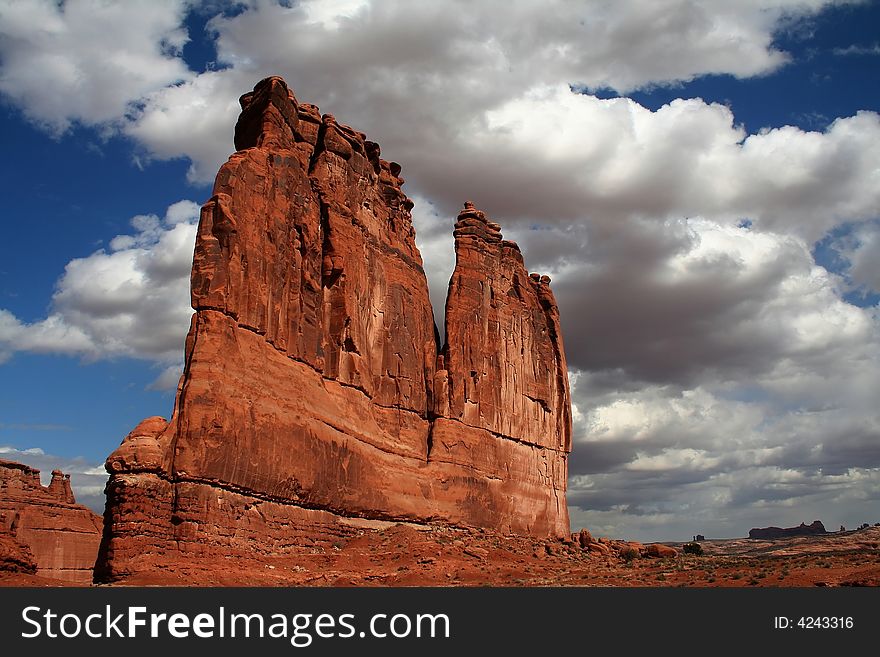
[(60, 536), (504, 361), (312, 401)]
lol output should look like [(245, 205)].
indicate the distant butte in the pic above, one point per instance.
[(813, 529), (316, 399)]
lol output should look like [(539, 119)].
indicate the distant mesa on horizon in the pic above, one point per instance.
[(813, 529)]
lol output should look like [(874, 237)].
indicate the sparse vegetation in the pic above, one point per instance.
[(693, 548)]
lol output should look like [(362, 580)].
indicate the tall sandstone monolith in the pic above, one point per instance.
[(315, 398)]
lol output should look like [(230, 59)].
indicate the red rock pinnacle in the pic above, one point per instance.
[(312, 401)]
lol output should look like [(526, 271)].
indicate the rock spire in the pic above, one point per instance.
[(316, 399)]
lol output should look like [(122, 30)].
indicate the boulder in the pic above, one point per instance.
[(660, 551), (583, 538), (599, 548)]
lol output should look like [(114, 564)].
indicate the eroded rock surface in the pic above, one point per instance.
[(315, 398), (14, 556), (43, 527)]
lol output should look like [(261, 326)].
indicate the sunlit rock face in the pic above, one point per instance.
[(43, 529), (316, 398)]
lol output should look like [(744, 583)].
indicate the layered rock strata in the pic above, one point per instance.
[(57, 535), (315, 398)]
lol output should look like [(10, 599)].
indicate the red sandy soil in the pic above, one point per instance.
[(35, 581), (403, 555)]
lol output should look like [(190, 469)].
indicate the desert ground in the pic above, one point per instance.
[(408, 555)]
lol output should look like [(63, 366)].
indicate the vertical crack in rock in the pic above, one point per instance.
[(319, 147), (430, 441), (313, 388)]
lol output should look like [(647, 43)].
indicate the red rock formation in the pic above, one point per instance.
[(15, 557), (504, 345), (61, 536), (308, 406), (502, 380), (661, 551), (583, 538)]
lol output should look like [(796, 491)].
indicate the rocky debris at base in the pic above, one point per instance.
[(411, 554)]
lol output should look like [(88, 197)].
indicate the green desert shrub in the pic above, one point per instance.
[(693, 548), (629, 553)]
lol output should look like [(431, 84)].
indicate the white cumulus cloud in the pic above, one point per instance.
[(86, 61), (131, 299), (861, 250)]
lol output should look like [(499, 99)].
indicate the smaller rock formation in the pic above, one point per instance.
[(43, 528), (771, 533), (15, 557)]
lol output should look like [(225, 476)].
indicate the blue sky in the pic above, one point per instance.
[(723, 375)]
